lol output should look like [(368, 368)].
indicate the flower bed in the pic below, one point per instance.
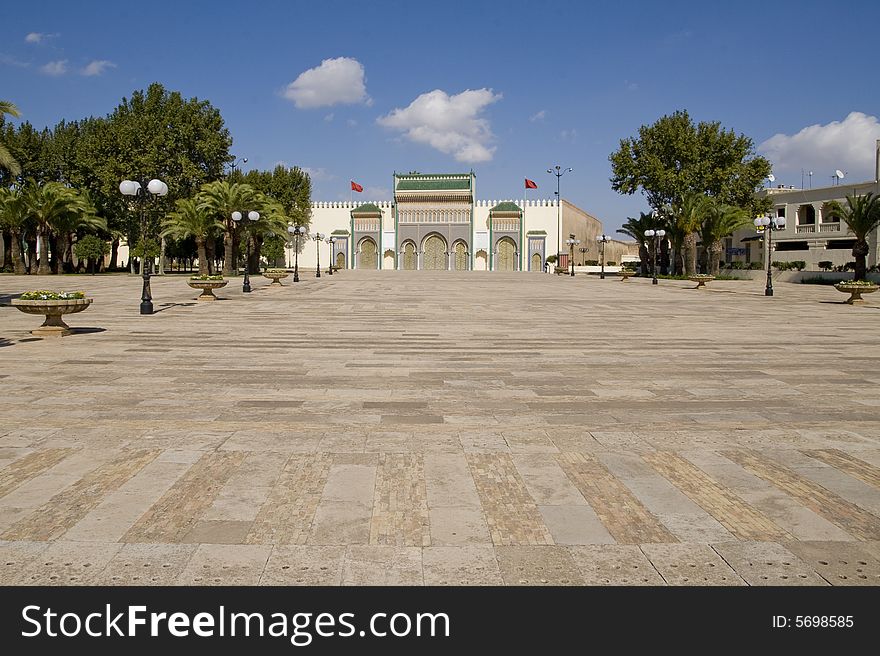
[(206, 276), (46, 295)]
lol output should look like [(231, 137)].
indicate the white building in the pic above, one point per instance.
[(810, 234), (436, 222)]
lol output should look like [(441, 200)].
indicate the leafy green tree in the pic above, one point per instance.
[(673, 158), (720, 221), (686, 216), (54, 206), (90, 249), (862, 216), (273, 249), (220, 199), (7, 161), (15, 223), (193, 218)]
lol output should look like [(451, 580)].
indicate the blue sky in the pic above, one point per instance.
[(550, 83)]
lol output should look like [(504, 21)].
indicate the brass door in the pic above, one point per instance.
[(368, 258), (340, 260), (409, 257), (506, 258), (460, 257), (536, 262), (435, 254)]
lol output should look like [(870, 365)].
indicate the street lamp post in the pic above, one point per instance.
[(584, 250), (331, 241), (769, 224), (602, 240), (253, 216), (558, 171), (132, 188), (297, 232), (571, 244), (235, 162), (318, 239), (657, 235)]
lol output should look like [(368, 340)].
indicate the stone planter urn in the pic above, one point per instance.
[(207, 287), (855, 291), (275, 276), (625, 274), (54, 325), (701, 280)]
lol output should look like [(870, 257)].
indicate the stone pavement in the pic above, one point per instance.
[(442, 428)]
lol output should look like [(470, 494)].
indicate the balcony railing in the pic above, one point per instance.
[(829, 227), (801, 229)]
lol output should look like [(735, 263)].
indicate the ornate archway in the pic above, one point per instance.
[(460, 250), (409, 257), (505, 258), (340, 260), (435, 257), (480, 260), (368, 254), (536, 262)]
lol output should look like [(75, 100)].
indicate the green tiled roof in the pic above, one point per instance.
[(506, 206), (367, 208), (340, 232), (453, 182), (536, 232)]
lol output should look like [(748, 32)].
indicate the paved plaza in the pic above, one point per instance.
[(442, 428)]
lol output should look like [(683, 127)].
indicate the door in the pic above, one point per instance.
[(409, 256), (435, 254), (368, 256), (536, 262), (340, 260), (506, 255), (460, 256)]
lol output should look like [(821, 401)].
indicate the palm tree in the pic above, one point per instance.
[(720, 221), (7, 161), (635, 228), (221, 199), (687, 214), (861, 215), (50, 205), (192, 218), (13, 219)]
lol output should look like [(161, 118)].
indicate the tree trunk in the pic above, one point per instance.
[(664, 256), (254, 264), (114, 252), (228, 253), (643, 256), (860, 253), (203, 256), (7, 248), (44, 269), (162, 258), (55, 248), (17, 259), (690, 253), (715, 249)]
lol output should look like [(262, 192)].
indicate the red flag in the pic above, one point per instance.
[(530, 184), (356, 187)]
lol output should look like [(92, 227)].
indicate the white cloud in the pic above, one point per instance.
[(568, 135), (55, 67), (846, 145), (540, 116), (97, 67), (451, 124), (9, 60), (351, 123), (335, 81), (329, 118), (38, 37), (318, 174)]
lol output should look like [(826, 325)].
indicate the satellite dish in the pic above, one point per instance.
[(839, 174), (771, 177)]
